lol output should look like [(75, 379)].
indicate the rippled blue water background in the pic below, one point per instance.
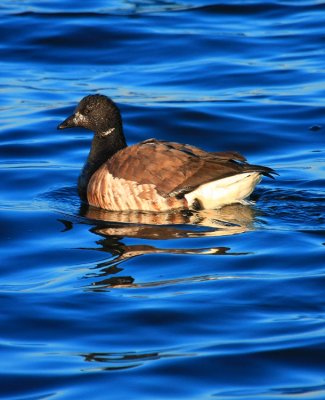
[(216, 305)]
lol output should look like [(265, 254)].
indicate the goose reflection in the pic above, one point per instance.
[(229, 220), (115, 228)]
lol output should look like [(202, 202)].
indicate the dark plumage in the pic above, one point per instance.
[(154, 175)]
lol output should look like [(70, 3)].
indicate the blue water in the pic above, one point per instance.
[(226, 304)]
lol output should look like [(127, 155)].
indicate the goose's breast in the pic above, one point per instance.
[(117, 194)]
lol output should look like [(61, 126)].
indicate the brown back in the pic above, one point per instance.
[(175, 169)]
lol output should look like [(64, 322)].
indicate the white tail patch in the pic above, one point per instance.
[(233, 189)]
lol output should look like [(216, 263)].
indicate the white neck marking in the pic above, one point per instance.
[(106, 133)]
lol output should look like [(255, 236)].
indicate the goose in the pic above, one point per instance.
[(155, 175)]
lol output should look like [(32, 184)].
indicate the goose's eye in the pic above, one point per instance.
[(86, 110)]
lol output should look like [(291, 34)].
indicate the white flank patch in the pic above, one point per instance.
[(233, 189)]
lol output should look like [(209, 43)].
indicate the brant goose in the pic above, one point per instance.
[(155, 175)]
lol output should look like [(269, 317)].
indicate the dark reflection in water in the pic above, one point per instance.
[(119, 361), (113, 227)]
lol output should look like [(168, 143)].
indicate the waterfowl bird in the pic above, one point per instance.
[(155, 175)]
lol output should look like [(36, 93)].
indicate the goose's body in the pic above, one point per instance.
[(155, 175)]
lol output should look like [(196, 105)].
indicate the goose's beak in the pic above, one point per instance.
[(72, 121)]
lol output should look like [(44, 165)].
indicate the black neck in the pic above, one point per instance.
[(102, 148)]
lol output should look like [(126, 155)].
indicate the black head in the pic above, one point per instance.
[(97, 113)]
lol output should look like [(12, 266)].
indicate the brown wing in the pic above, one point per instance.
[(175, 169)]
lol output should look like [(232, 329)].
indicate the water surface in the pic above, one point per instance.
[(225, 304)]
